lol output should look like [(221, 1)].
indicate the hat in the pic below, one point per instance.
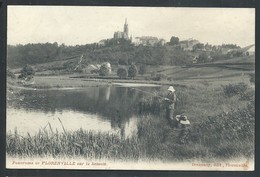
[(178, 117), (184, 120), (171, 89)]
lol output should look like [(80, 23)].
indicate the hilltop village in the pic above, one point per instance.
[(114, 57)]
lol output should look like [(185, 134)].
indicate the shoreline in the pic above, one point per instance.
[(66, 83)]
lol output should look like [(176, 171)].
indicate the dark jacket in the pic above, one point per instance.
[(172, 100)]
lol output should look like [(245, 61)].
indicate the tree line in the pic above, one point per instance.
[(119, 51), (116, 53)]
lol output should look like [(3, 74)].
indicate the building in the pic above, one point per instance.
[(148, 41), (102, 42), (124, 34), (187, 45), (108, 66)]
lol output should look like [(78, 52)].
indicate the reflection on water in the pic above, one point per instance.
[(106, 109)]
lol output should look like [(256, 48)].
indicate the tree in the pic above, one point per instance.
[(121, 72), (122, 61), (198, 46), (142, 69), (174, 40), (104, 70), (230, 46), (27, 73), (203, 58), (132, 71)]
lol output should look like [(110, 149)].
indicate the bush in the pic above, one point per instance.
[(235, 126), (94, 71), (248, 95), (104, 70), (142, 69), (122, 61), (122, 73), (235, 89), (203, 58), (132, 71), (158, 77), (27, 73)]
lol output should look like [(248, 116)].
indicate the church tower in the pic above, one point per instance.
[(126, 28)]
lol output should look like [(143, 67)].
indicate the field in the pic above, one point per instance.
[(218, 101)]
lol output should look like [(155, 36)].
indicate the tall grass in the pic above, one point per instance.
[(87, 144), (229, 134)]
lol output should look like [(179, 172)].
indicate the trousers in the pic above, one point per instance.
[(170, 117)]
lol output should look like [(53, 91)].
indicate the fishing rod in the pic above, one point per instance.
[(147, 92), (197, 122)]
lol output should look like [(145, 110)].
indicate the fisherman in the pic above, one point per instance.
[(170, 103), (184, 125)]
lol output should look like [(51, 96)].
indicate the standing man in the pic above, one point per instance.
[(170, 104)]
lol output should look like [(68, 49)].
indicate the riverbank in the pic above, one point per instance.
[(76, 81), (222, 120), (217, 138), (68, 81)]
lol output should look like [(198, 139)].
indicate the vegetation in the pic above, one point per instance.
[(142, 69), (252, 77), (132, 71), (198, 46), (10, 74), (230, 46), (203, 58), (104, 70), (122, 73), (118, 51), (174, 40), (27, 73), (158, 76), (235, 89), (68, 144)]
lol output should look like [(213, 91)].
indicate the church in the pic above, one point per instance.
[(124, 34)]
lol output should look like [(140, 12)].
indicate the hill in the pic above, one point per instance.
[(122, 53), (231, 69), (170, 62)]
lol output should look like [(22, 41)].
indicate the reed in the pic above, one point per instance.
[(87, 144)]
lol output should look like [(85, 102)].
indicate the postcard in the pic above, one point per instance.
[(130, 88)]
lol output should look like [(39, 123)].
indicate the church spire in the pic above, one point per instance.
[(126, 30)]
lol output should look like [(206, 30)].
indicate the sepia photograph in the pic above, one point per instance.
[(130, 88)]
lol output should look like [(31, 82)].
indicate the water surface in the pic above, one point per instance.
[(102, 109)]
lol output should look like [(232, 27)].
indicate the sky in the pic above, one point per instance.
[(77, 25)]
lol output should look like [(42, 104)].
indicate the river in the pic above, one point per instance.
[(110, 109)]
